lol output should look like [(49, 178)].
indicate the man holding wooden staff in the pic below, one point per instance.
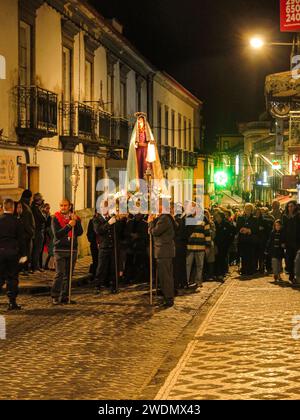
[(162, 228), (64, 225)]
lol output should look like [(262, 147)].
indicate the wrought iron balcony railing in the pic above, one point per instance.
[(192, 159), (173, 156), (120, 132), (186, 158), (179, 157), (104, 127), (36, 113), (77, 120), (166, 157)]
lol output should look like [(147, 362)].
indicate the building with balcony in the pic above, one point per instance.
[(282, 91), (267, 163), (229, 158), (176, 127), (69, 90)]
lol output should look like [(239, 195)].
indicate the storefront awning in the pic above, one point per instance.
[(282, 85), (284, 199)]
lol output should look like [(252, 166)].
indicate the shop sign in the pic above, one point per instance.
[(7, 170)]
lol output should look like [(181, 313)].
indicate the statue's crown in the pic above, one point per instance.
[(140, 114)]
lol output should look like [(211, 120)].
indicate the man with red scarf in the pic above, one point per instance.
[(62, 224)]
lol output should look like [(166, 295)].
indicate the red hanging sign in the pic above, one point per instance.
[(296, 164), (290, 15)]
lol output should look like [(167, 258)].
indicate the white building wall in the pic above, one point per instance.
[(117, 89), (131, 95), (9, 49), (48, 49), (49, 76), (51, 176), (144, 97), (100, 73), (79, 67), (166, 98)]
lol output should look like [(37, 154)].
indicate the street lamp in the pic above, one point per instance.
[(257, 43)]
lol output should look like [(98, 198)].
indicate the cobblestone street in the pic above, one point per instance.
[(231, 341), (105, 347), (41, 282), (244, 349)]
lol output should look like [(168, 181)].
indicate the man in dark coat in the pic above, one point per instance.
[(179, 262), (225, 232), (247, 228), (291, 228), (106, 228), (137, 241), (162, 229), (40, 226), (94, 241), (28, 222), (62, 224), (12, 251)]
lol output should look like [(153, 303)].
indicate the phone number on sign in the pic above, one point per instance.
[(292, 11)]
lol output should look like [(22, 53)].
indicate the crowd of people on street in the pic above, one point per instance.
[(189, 246)]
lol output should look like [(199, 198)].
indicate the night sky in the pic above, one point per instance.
[(203, 44)]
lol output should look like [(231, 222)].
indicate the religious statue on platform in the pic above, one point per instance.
[(143, 157), (145, 150)]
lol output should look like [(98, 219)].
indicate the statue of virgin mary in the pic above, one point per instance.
[(143, 157)]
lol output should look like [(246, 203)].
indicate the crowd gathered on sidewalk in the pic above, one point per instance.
[(189, 246)]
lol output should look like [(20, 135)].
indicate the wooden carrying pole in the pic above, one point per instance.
[(116, 259), (75, 181), (148, 175)]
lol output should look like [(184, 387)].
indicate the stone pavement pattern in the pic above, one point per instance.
[(244, 349), (39, 282), (105, 347)]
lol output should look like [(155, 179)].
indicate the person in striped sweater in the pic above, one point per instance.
[(198, 243)]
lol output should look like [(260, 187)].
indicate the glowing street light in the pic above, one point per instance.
[(256, 43), (221, 178)]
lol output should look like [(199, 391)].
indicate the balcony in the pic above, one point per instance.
[(120, 133), (78, 125), (186, 158), (166, 156), (192, 159), (173, 156), (36, 114), (179, 157), (104, 127)]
